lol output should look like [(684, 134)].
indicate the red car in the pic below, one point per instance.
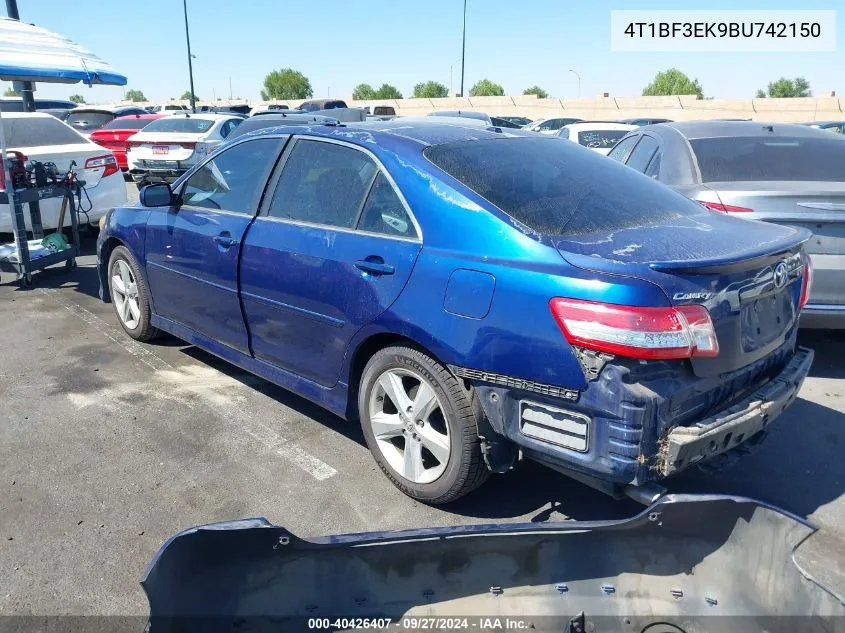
[(113, 134)]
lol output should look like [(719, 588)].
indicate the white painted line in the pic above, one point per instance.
[(318, 469), (180, 381), (140, 352)]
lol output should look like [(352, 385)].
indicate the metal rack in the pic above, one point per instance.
[(25, 265)]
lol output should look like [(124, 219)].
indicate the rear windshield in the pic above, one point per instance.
[(557, 188), (127, 123), (87, 121), (600, 139), (38, 131), (770, 158), (180, 124)]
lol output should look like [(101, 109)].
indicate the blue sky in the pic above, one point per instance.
[(341, 43)]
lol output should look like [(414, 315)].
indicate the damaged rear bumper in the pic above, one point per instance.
[(686, 446)]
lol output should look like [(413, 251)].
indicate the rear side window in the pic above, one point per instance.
[(642, 154), (38, 131), (554, 188), (323, 183), (759, 158), (384, 211), (183, 125), (600, 139), (234, 179), (88, 121), (127, 123), (623, 148)]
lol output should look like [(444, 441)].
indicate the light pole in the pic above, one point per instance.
[(25, 87), (579, 82), (190, 65), (464, 48)]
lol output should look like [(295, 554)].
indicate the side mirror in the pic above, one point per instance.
[(157, 195)]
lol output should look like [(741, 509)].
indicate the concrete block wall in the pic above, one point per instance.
[(683, 108)]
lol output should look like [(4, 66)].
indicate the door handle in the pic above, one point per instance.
[(224, 240), (374, 266)]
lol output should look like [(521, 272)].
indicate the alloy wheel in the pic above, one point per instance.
[(125, 295), (409, 425)]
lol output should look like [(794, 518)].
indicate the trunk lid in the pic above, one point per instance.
[(816, 206), (747, 274), (163, 145)]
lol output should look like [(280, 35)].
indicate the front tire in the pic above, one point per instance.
[(130, 295), (419, 424)]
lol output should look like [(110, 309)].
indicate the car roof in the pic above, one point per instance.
[(713, 129), (465, 114), (209, 116), (151, 115), (416, 134), (832, 122), (41, 115), (600, 125)]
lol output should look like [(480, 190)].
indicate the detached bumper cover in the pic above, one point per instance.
[(686, 446)]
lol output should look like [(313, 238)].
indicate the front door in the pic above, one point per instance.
[(330, 252), (193, 248)]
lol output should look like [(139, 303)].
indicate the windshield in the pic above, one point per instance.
[(127, 123), (759, 158), (38, 132), (184, 125), (557, 189), (600, 139), (88, 121)]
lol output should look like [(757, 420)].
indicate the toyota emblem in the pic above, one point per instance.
[(781, 275)]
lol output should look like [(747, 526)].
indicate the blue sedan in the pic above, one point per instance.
[(473, 298)]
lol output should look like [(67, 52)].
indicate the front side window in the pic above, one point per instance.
[(384, 211), (233, 180), (323, 183)]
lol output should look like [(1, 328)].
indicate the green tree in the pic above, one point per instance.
[(486, 88), (137, 95), (362, 92), (760, 94), (186, 96), (673, 82), (536, 90), (386, 91), (430, 90), (286, 83), (76, 98), (783, 87), (10, 92)]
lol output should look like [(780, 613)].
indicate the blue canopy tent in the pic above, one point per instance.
[(31, 53)]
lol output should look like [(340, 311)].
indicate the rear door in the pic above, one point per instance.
[(193, 248), (331, 251)]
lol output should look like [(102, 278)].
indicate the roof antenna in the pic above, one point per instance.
[(770, 128)]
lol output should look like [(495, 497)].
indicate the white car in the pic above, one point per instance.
[(43, 138), (599, 136), (550, 126), (168, 147)]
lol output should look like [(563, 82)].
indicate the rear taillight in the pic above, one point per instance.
[(649, 333), (806, 281), (108, 162), (188, 145), (724, 208)]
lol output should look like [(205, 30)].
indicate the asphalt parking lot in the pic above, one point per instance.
[(107, 447)]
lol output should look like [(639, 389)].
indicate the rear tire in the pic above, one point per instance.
[(130, 295), (437, 426)]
